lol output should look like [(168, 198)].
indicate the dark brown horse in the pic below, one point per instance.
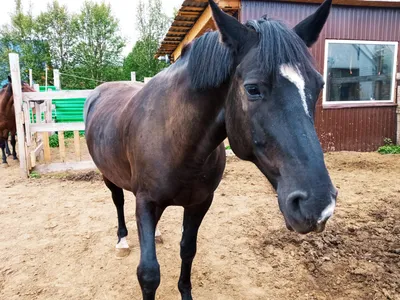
[(163, 141), (7, 119)]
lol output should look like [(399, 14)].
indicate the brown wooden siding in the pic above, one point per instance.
[(352, 129)]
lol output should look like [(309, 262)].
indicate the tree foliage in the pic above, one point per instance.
[(152, 25), (83, 45)]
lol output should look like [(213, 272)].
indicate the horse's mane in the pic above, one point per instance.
[(211, 62)]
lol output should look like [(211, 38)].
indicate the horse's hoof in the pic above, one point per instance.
[(122, 252), (4, 165), (158, 237), (122, 249)]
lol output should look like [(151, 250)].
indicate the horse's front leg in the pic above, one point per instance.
[(193, 216), (13, 143), (148, 271)]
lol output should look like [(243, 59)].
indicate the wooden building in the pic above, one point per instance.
[(357, 53)]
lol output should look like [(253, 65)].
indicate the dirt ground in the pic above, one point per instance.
[(58, 235)]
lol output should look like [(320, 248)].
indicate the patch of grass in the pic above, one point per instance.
[(34, 175), (53, 141), (228, 148), (389, 149)]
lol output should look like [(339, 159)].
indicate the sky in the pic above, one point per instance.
[(124, 10)]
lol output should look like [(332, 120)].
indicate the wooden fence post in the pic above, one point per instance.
[(19, 115), (147, 79), (133, 76), (56, 74), (30, 78)]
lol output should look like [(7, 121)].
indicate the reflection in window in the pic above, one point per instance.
[(360, 71)]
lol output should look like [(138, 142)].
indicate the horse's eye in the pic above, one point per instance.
[(252, 90)]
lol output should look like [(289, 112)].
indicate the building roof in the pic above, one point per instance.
[(194, 18), (189, 13)]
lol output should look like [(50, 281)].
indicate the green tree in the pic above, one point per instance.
[(152, 25), (97, 53), (21, 36), (55, 26)]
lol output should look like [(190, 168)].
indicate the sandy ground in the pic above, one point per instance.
[(58, 235)]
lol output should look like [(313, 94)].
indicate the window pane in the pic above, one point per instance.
[(359, 72)]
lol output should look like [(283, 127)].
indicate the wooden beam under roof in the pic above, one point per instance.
[(203, 20)]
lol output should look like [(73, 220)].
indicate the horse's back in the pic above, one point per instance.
[(112, 96)]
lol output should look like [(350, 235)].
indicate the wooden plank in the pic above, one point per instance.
[(65, 167), (61, 143), (56, 78), (48, 114), (46, 147), (35, 153), (191, 35), (50, 127), (77, 144), (19, 117), (37, 96)]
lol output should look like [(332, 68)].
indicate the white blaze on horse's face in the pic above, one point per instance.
[(293, 75)]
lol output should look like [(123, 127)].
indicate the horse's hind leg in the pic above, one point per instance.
[(13, 143), (8, 152), (3, 152), (193, 216), (122, 248)]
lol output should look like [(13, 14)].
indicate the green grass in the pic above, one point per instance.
[(228, 148), (34, 175), (389, 149)]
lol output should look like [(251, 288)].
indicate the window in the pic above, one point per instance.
[(359, 72)]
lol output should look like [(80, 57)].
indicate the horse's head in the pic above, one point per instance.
[(270, 108)]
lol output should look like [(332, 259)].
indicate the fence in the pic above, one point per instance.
[(34, 131)]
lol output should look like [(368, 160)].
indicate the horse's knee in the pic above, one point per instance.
[(149, 276)]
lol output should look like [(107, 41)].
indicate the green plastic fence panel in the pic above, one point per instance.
[(69, 110)]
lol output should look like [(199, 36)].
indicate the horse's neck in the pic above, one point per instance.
[(202, 117)]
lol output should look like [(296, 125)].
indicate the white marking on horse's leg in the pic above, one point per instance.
[(327, 212), (122, 248), (293, 75), (122, 244), (158, 237)]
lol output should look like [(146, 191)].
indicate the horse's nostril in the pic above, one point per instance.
[(295, 198)]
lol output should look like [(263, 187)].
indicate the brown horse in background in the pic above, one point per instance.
[(7, 119), (255, 84)]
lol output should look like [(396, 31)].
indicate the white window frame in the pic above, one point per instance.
[(326, 103)]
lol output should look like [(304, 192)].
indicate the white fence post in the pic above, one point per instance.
[(147, 79), (133, 76), (56, 75), (30, 78), (19, 116)]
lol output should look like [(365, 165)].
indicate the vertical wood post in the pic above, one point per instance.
[(61, 143), (147, 79), (30, 78), (46, 147), (57, 84), (398, 124), (19, 116), (133, 76), (77, 144)]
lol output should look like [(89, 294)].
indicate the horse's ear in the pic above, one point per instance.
[(9, 79), (232, 32), (310, 28)]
